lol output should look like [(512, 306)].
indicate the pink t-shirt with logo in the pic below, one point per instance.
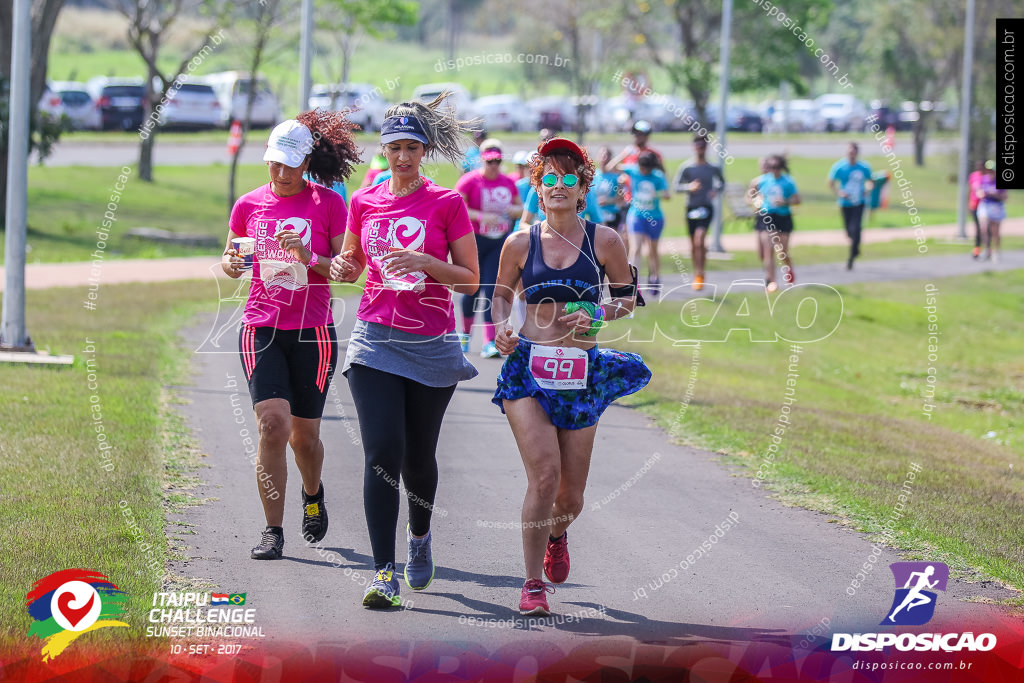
[(489, 196), (427, 220), (285, 293)]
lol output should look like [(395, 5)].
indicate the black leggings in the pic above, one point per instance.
[(399, 421), (852, 216)]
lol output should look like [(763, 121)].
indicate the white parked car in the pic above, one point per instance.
[(793, 116), (504, 112), (192, 105), (364, 102), (840, 112), (232, 88), (460, 99), (50, 103), (79, 106)]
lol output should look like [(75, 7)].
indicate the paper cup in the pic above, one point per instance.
[(246, 247)]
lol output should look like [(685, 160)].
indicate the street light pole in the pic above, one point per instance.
[(965, 123), (305, 55), (723, 98), (13, 334)]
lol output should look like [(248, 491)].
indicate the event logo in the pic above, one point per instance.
[(914, 603), (68, 603)]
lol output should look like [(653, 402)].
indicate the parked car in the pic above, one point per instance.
[(883, 115), (232, 88), (794, 116), (119, 101), (78, 105), (193, 105), (840, 112), (460, 100), (364, 102), (666, 113), (50, 103), (613, 115), (738, 118), (505, 112)]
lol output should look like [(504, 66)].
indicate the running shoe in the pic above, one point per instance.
[(314, 516), (556, 559), (789, 277), (383, 590), (975, 253), (654, 285), (995, 257), (464, 341), (419, 568), (771, 287), (698, 283), (534, 599), (849, 263), (271, 546), (490, 351)]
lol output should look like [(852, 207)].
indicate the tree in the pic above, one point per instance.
[(148, 23), (918, 59), (350, 20), (44, 18), (765, 50)]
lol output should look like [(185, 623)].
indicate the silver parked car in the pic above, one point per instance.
[(364, 102), (79, 106)]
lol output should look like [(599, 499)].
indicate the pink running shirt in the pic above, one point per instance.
[(285, 293), (427, 220), (489, 196)]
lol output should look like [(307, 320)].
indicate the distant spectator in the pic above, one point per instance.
[(850, 181), (991, 211), (973, 183)]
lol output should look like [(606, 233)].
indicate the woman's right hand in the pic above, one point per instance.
[(505, 339), (344, 267)]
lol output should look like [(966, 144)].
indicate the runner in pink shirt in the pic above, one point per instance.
[(403, 360), (287, 342), (493, 202)]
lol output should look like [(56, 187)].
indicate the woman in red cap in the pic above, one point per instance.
[(555, 383)]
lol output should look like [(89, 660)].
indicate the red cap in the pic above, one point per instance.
[(546, 148)]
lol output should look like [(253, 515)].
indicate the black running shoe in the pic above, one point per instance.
[(314, 516), (271, 546)]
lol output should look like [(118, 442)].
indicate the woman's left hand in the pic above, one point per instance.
[(578, 321), (399, 262), (292, 243)]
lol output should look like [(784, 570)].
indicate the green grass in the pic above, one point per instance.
[(58, 506), (858, 421), (66, 206)]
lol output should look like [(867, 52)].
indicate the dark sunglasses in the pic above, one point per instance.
[(494, 161), (569, 179)]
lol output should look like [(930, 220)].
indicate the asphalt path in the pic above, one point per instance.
[(773, 577), (178, 153)]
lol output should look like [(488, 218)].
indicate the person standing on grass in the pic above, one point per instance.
[(991, 211), (493, 203), (973, 183), (287, 342), (774, 192), (403, 359), (850, 181), (702, 181), (561, 264)]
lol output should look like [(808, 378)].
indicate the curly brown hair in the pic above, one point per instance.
[(335, 153), (564, 162)]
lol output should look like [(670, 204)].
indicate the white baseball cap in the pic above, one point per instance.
[(289, 144)]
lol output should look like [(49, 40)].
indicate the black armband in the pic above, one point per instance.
[(631, 290)]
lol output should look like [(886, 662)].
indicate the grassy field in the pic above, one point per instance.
[(859, 419), (66, 205), (65, 501)]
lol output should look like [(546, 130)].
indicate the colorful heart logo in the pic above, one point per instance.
[(72, 614)]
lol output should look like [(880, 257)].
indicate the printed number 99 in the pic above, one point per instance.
[(554, 366)]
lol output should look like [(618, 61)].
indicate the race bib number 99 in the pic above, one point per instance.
[(559, 367)]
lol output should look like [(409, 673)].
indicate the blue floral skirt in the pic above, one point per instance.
[(612, 375)]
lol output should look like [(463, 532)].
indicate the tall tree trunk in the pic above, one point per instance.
[(920, 131)]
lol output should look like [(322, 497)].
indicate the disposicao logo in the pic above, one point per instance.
[(913, 605), (68, 603)]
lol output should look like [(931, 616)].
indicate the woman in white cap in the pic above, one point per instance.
[(493, 203), (287, 341), (403, 359)]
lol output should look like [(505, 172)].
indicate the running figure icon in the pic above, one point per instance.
[(916, 585), (915, 597)]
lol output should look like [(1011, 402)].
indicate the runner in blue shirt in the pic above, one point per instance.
[(644, 220), (775, 192), (850, 180)]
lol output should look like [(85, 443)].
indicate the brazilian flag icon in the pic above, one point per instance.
[(237, 598)]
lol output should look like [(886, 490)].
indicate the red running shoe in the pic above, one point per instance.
[(788, 277), (534, 600), (556, 559)]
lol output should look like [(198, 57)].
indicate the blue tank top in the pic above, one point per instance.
[(579, 282)]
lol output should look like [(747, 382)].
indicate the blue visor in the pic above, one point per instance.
[(402, 128)]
